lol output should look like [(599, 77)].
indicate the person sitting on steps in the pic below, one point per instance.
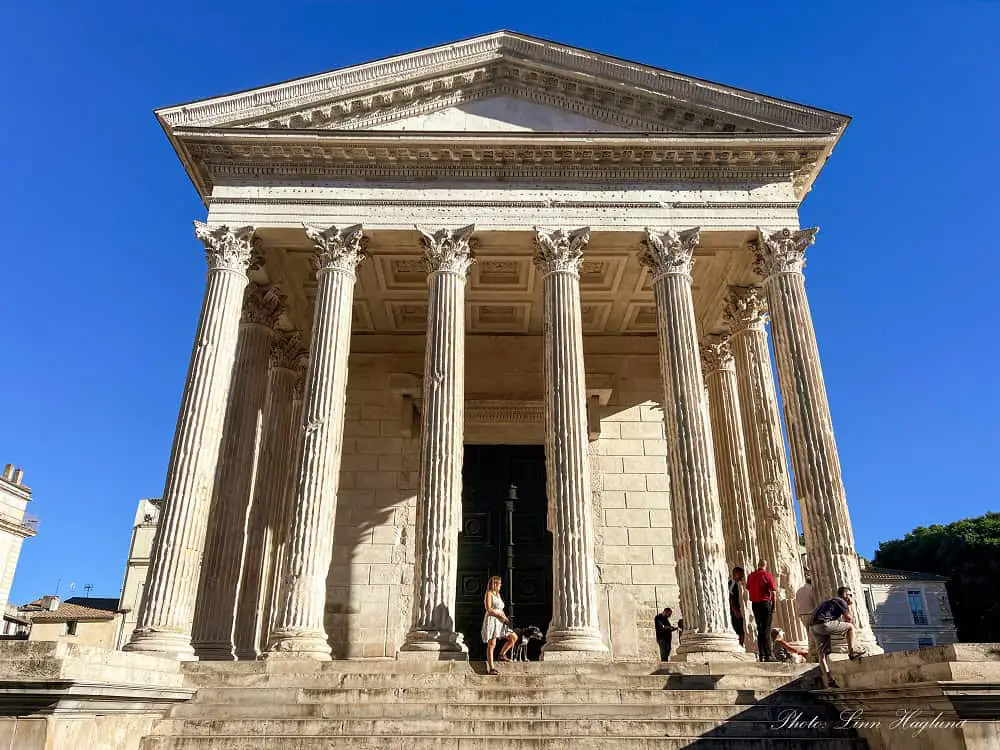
[(496, 625), (833, 617)]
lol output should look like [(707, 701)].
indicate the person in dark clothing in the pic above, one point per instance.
[(761, 589), (736, 603), (833, 617), (664, 632)]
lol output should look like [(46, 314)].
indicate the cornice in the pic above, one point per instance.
[(235, 153), (523, 52)]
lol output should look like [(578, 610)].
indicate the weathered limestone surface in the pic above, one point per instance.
[(164, 624), (698, 538), (574, 628), (818, 481), (442, 422), (218, 593), (739, 525), (777, 533), (299, 629), (269, 509)]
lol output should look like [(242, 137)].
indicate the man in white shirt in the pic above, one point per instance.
[(805, 604)]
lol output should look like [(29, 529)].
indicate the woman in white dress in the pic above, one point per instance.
[(496, 625)]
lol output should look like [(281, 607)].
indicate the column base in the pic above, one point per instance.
[(161, 643), (434, 644), (574, 644), (717, 646), (248, 655), (214, 652), (308, 645)]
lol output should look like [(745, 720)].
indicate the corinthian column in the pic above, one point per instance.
[(777, 534), (739, 528), (697, 528), (574, 630), (164, 623), (215, 613), (270, 507), (819, 485), (300, 630), (442, 424)]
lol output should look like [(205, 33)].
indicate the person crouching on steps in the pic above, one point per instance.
[(496, 626)]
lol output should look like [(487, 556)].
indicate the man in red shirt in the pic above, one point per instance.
[(761, 589)]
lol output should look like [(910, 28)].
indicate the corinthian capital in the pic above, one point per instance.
[(448, 250), (559, 250), (263, 305), (783, 251), (337, 249), (671, 252), (228, 249), (716, 353), (745, 309), (287, 350)]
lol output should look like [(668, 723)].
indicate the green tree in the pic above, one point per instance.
[(968, 552)]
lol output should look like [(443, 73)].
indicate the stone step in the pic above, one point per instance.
[(754, 681), (582, 728), (486, 693), (764, 711), (477, 742)]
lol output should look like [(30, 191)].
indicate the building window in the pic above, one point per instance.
[(870, 603), (925, 642), (916, 600), (71, 627)]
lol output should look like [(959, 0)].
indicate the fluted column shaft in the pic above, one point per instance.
[(442, 429), (777, 532), (268, 509), (281, 518), (833, 559), (300, 629), (697, 528), (574, 628), (739, 526), (215, 613), (165, 619)]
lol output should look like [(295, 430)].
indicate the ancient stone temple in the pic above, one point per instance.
[(499, 307)]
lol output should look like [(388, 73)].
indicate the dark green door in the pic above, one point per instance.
[(503, 533)]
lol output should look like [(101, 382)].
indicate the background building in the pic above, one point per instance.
[(15, 526), (89, 621), (908, 610), (144, 529)]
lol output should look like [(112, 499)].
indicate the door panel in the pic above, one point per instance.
[(503, 533)]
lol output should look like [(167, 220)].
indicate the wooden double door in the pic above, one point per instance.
[(503, 533)]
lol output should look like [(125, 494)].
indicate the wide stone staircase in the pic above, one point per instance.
[(538, 706)]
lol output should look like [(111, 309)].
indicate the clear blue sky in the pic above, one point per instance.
[(103, 279)]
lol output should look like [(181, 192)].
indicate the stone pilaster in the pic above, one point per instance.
[(738, 524), (442, 424), (697, 528), (269, 509), (777, 533), (574, 630), (165, 619), (833, 560), (300, 631), (215, 613)]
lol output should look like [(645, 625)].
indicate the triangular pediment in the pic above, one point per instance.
[(504, 82), (500, 114)]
